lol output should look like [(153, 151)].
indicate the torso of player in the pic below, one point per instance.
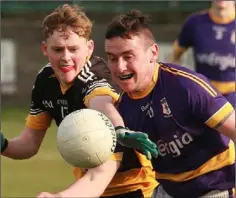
[(155, 116), (49, 95), (59, 104), (186, 156), (166, 117), (214, 48)]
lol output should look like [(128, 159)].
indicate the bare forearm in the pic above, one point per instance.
[(18, 149), (94, 182), (105, 106), (26, 145), (83, 188), (110, 111)]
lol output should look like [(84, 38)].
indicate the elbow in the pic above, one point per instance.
[(31, 153), (27, 155), (20, 154)]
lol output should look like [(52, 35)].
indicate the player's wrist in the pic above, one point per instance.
[(120, 131), (4, 143), (119, 127)]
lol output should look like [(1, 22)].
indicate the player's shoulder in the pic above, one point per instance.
[(96, 60), (41, 80), (183, 77), (96, 69), (99, 67), (45, 72), (43, 75), (197, 17), (182, 73)]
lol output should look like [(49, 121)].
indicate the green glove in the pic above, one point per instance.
[(3, 142), (136, 140)]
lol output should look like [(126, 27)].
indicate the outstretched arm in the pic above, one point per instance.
[(92, 184), (105, 105), (24, 146)]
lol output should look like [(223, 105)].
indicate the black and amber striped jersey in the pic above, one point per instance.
[(50, 100)]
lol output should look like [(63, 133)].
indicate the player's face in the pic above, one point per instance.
[(131, 62), (67, 54), (223, 4)]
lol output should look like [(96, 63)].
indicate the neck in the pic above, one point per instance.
[(64, 85), (223, 14), (147, 82)]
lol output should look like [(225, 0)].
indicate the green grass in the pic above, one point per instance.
[(46, 171)]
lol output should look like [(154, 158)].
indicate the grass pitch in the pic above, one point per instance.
[(46, 171)]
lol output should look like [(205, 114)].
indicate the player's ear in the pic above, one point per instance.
[(44, 48), (154, 53), (90, 47)]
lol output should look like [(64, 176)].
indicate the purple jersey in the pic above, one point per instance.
[(180, 113), (214, 49)]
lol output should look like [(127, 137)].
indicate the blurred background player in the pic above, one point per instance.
[(74, 79), (192, 124), (211, 34)]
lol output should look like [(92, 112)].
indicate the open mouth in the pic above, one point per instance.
[(66, 69), (126, 76)]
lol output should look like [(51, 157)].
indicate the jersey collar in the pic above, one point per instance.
[(63, 88)]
